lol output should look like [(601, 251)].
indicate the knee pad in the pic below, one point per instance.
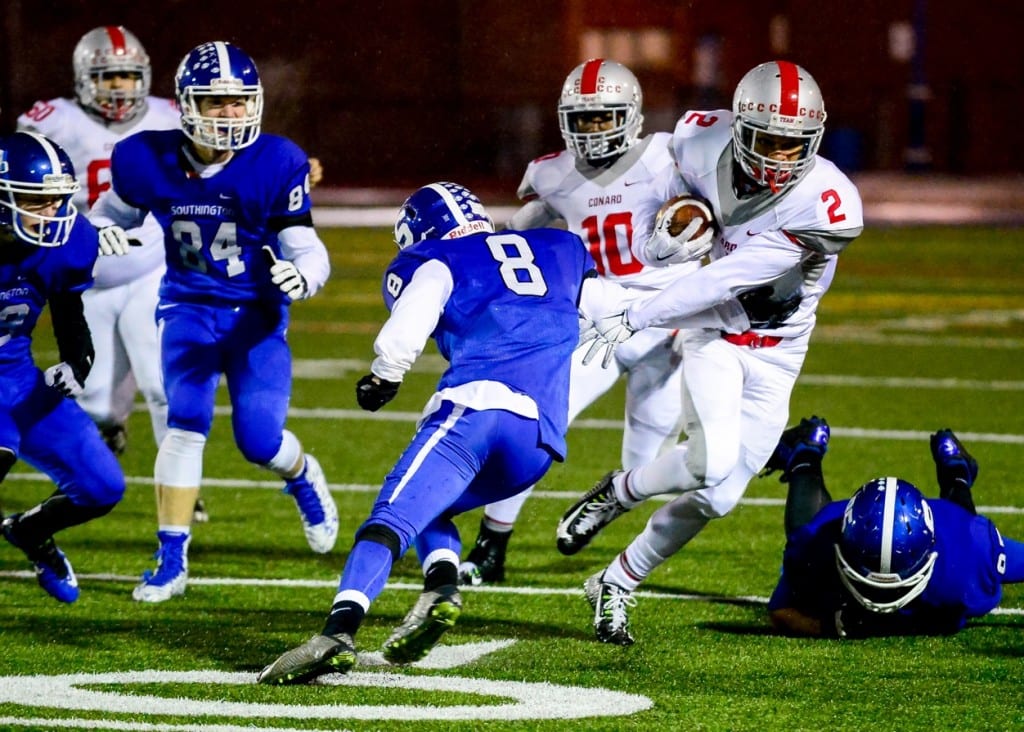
[(179, 461), (381, 534)]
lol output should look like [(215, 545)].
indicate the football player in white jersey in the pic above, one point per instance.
[(607, 186), (112, 81), (784, 214)]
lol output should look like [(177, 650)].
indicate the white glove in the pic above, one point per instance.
[(113, 241), (607, 332), (287, 277), (663, 249), (62, 378)]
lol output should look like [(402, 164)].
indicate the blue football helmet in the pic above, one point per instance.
[(37, 181), (440, 211), (219, 69), (886, 551)]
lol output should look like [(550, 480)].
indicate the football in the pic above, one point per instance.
[(680, 211)]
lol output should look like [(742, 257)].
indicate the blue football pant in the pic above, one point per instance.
[(459, 459)]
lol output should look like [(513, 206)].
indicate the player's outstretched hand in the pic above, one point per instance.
[(373, 392), (113, 241), (608, 332)]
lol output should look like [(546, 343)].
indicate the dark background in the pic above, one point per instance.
[(468, 90)]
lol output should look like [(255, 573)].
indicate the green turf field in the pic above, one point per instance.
[(923, 329)]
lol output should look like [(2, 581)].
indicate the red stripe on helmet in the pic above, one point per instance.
[(789, 78), (591, 70), (117, 40)]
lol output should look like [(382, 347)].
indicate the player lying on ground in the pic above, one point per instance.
[(887, 561)]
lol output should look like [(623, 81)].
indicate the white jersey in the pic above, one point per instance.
[(788, 241), (89, 141), (612, 209)]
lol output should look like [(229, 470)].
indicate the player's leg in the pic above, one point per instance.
[(259, 383), (60, 439), (509, 458), (440, 604), (764, 399), (955, 469), (190, 351), (101, 308), (712, 392), (486, 560), (798, 455), (431, 473), (654, 407), (141, 339)]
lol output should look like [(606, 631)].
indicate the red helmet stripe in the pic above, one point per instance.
[(789, 77), (591, 69), (116, 34)]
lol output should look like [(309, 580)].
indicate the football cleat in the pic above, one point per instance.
[(53, 570), (199, 513), (316, 506), (591, 513), (611, 606), (171, 575), (431, 617), (486, 560), (798, 446), (952, 459), (321, 654)]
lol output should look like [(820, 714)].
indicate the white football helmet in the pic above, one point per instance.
[(599, 85), (781, 99), (107, 50)]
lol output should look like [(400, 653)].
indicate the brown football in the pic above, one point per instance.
[(690, 208)]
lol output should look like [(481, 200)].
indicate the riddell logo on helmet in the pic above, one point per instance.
[(472, 227), (774, 109)]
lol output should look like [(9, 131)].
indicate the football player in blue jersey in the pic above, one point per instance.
[(502, 308), (887, 561), (240, 248), (47, 254)]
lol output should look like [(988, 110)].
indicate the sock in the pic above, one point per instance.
[(440, 574), (57, 512), (806, 496), (346, 616)]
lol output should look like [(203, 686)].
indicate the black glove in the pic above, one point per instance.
[(373, 392), (763, 311)]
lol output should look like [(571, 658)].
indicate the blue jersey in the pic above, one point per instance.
[(215, 228), (966, 582), (512, 315), (29, 275)]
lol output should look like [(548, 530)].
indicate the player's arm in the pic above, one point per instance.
[(402, 338), (533, 215), (112, 215), (790, 621), (74, 343), (715, 283)]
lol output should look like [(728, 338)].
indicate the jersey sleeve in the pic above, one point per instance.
[(832, 213), (415, 292), (289, 203)]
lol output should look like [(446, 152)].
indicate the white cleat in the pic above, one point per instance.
[(316, 507)]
